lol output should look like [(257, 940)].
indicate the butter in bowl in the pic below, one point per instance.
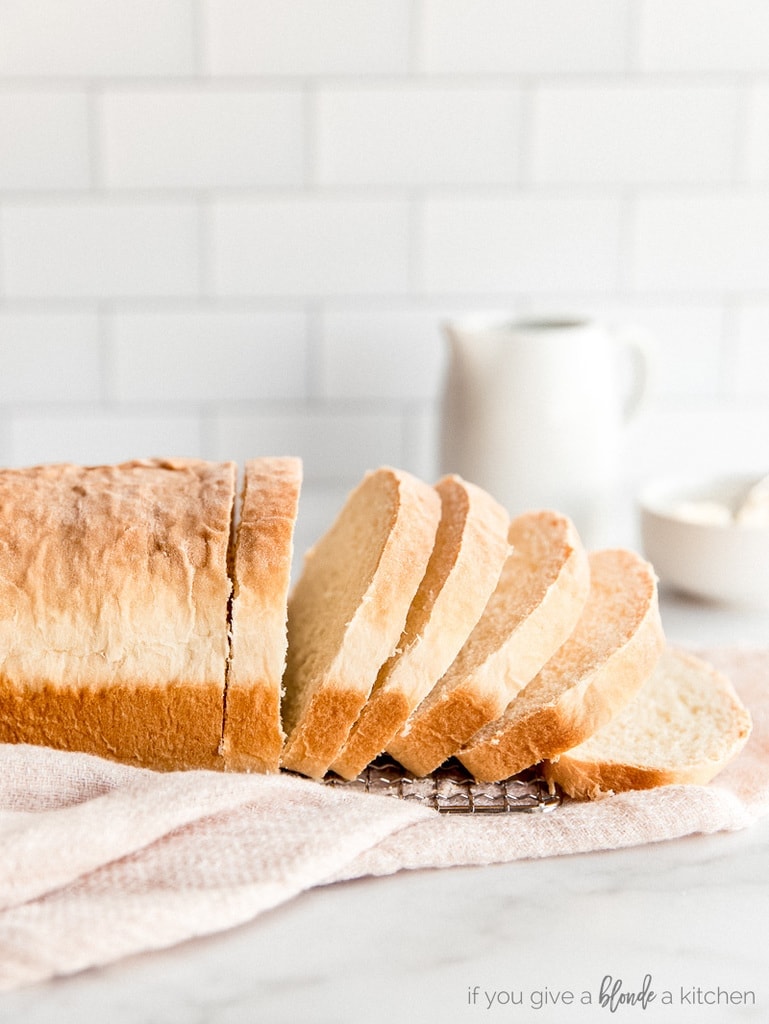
[(710, 538)]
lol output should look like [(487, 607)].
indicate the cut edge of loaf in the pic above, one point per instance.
[(470, 549), (260, 568), (599, 766), (505, 650), (561, 707), (386, 530)]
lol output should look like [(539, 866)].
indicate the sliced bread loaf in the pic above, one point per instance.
[(684, 725), (252, 737), (534, 608), (470, 549), (612, 651), (348, 610)]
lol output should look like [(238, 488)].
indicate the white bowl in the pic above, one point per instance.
[(722, 560)]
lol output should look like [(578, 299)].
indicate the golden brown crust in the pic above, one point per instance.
[(382, 715), (113, 607), (600, 668), (252, 743), (470, 550), (538, 600), (261, 567), (582, 710), (319, 736), (451, 723), (683, 727), (348, 610), (168, 727), (587, 781)]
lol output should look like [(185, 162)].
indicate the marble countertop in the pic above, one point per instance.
[(506, 942)]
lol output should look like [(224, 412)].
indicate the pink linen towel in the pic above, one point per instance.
[(99, 860)]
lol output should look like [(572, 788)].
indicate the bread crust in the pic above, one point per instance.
[(320, 733), (538, 600), (587, 698), (459, 715), (336, 648), (252, 736), (382, 715), (583, 776), (113, 605), (470, 549), (587, 781), (168, 727)]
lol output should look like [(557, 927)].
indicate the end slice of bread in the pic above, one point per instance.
[(348, 610), (470, 549), (535, 606), (613, 650), (252, 737), (684, 725)]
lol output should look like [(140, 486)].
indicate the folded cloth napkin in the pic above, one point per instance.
[(100, 860)]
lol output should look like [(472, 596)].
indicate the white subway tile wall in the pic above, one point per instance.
[(44, 140), (603, 133), (201, 138), (307, 246), (96, 38), (528, 242), (99, 249), (409, 136), (232, 227), (306, 37)]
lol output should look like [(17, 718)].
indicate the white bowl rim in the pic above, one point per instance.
[(658, 497)]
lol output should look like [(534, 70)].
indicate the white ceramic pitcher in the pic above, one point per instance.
[(534, 410)]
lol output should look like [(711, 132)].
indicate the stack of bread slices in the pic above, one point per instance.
[(145, 616)]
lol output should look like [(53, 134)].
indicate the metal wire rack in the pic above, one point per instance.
[(452, 790)]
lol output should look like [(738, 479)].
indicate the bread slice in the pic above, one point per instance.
[(252, 737), (348, 609), (613, 650), (470, 549), (113, 609), (685, 725), (534, 608)]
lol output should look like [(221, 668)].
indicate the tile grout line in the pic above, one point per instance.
[(95, 138), (744, 100), (107, 371), (310, 132), (415, 59), (633, 38), (626, 242), (727, 350), (206, 253), (3, 283), (415, 269), (197, 39), (315, 353), (527, 93)]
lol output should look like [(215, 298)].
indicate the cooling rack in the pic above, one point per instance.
[(452, 790)]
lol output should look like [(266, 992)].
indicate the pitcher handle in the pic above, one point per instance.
[(638, 344)]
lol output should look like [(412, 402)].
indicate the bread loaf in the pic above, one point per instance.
[(139, 622), (470, 549), (261, 571), (612, 651), (534, 608), (348, 610), (113, 609), (684, 725)]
